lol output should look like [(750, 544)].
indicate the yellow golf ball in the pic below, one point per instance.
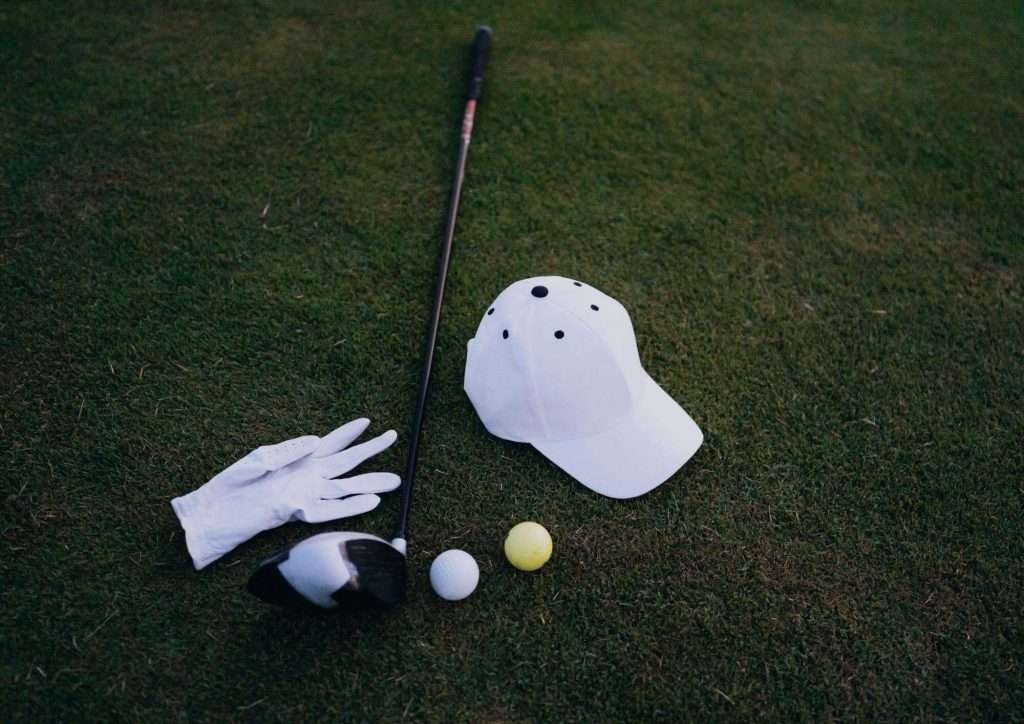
[(528, 546)]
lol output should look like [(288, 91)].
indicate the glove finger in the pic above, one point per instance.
[(267, 458), (341, 438), (324, 510), (365, 483), (275, 457), (340, 463)]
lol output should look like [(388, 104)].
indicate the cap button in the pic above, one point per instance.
[(539, 291)]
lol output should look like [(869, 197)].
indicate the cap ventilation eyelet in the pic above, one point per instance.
[(594, 307), (559, 334), (490, 311), (504, 334), (577, 284)]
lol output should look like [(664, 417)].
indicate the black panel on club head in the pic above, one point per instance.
[(381, 572), (270, 585)]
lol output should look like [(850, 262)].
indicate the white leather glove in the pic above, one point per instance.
[(275, 484)]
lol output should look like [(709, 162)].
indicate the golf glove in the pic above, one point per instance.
[(275, 484)]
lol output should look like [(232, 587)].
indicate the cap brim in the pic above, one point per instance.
[(636, 456)]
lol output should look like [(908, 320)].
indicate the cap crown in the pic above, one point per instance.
[(553, 359)]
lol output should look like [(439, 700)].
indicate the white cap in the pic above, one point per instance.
[(554, 363)]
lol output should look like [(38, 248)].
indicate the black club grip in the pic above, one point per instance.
[(481, 49)]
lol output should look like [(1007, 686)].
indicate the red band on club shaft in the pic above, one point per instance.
[(467, 118)]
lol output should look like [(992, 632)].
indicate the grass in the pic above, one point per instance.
[(218, 226)]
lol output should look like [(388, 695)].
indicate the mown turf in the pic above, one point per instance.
[(218, 226)]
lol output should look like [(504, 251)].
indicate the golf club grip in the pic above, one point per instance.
[(481, 49), (481, 44)]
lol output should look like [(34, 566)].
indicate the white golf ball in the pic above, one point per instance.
[(454, 575)]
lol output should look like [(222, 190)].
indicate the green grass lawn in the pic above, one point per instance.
[(218, 229)]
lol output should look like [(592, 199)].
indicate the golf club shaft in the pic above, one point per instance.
[(481, 46)]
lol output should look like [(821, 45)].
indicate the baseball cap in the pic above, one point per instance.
[(554, 363)]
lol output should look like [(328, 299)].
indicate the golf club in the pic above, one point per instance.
[(326, 569)]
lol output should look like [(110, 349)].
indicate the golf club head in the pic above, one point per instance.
[(332, 569)]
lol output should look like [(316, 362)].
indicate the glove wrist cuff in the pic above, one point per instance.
[(186, 506), (188, 510)]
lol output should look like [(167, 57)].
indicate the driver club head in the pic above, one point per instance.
[(332, 569)]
